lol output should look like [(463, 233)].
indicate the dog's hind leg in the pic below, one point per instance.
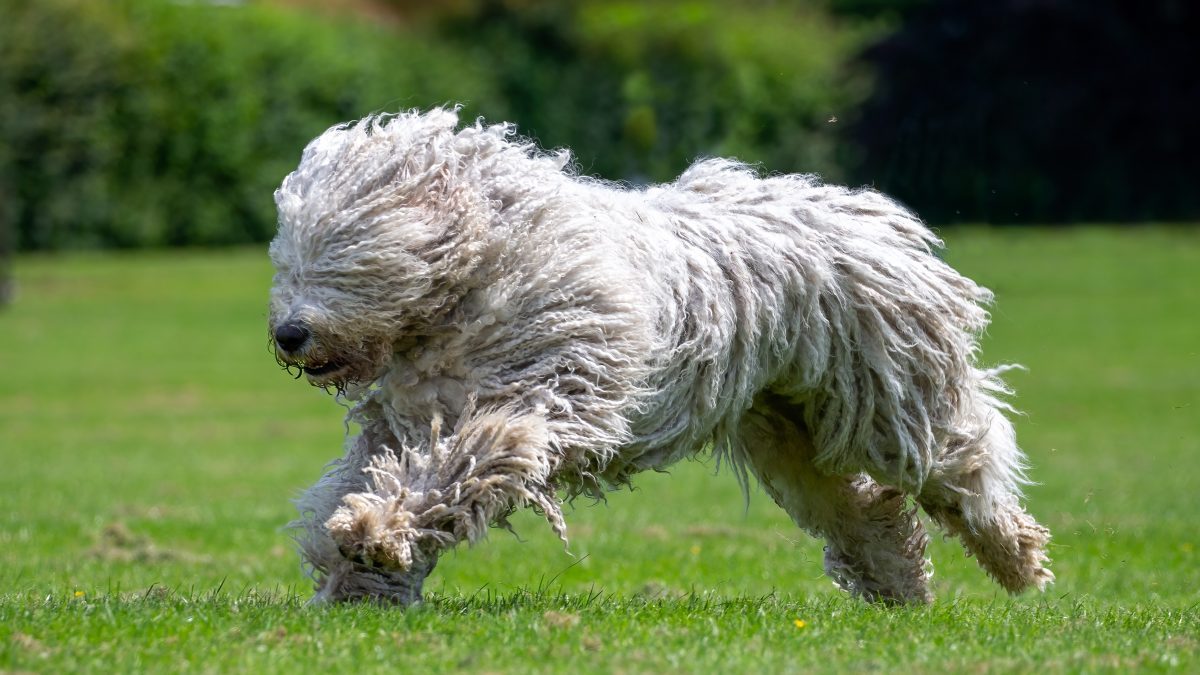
[(974, 492), (875, 544)]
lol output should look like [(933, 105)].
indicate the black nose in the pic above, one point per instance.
[(291, 336)]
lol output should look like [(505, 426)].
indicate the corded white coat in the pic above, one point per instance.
[(508, 330)]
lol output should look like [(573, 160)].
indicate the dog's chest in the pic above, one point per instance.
[(422, 385)]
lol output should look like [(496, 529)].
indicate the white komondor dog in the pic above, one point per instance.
[(508, 332)]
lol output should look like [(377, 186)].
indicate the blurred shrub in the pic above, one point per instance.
[(641, 89), (127, 123), (147, 123)]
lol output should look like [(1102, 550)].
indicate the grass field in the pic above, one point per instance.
[(149, 446)]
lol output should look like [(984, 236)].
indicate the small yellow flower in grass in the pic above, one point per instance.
[(799, 623), (695, 549), (79, 594)]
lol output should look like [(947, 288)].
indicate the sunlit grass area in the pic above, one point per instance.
[(149, 446)]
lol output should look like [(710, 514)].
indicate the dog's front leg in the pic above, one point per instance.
[(421, 501), (340, 574), (496, 461)]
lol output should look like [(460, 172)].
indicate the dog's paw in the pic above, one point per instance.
[(364, 538), (353, 582), (367, 557)]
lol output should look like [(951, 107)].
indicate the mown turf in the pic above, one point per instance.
[(149, 445)]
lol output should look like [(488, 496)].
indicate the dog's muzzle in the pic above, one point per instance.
[(291, 336), (294, 347)]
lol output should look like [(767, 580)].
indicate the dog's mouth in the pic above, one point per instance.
[(323, 370), (325, 367)]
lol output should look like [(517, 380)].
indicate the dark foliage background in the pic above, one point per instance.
[(165, 123), (1018, 111)]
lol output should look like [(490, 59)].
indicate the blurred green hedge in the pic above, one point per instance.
[(132, 123), (640, 89), (127, 123)]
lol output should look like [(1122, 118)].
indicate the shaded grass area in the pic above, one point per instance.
[(149, 445)]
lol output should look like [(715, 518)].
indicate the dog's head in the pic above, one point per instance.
[(380, 228)]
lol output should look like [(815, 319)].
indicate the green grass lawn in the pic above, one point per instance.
[(149, 447)]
